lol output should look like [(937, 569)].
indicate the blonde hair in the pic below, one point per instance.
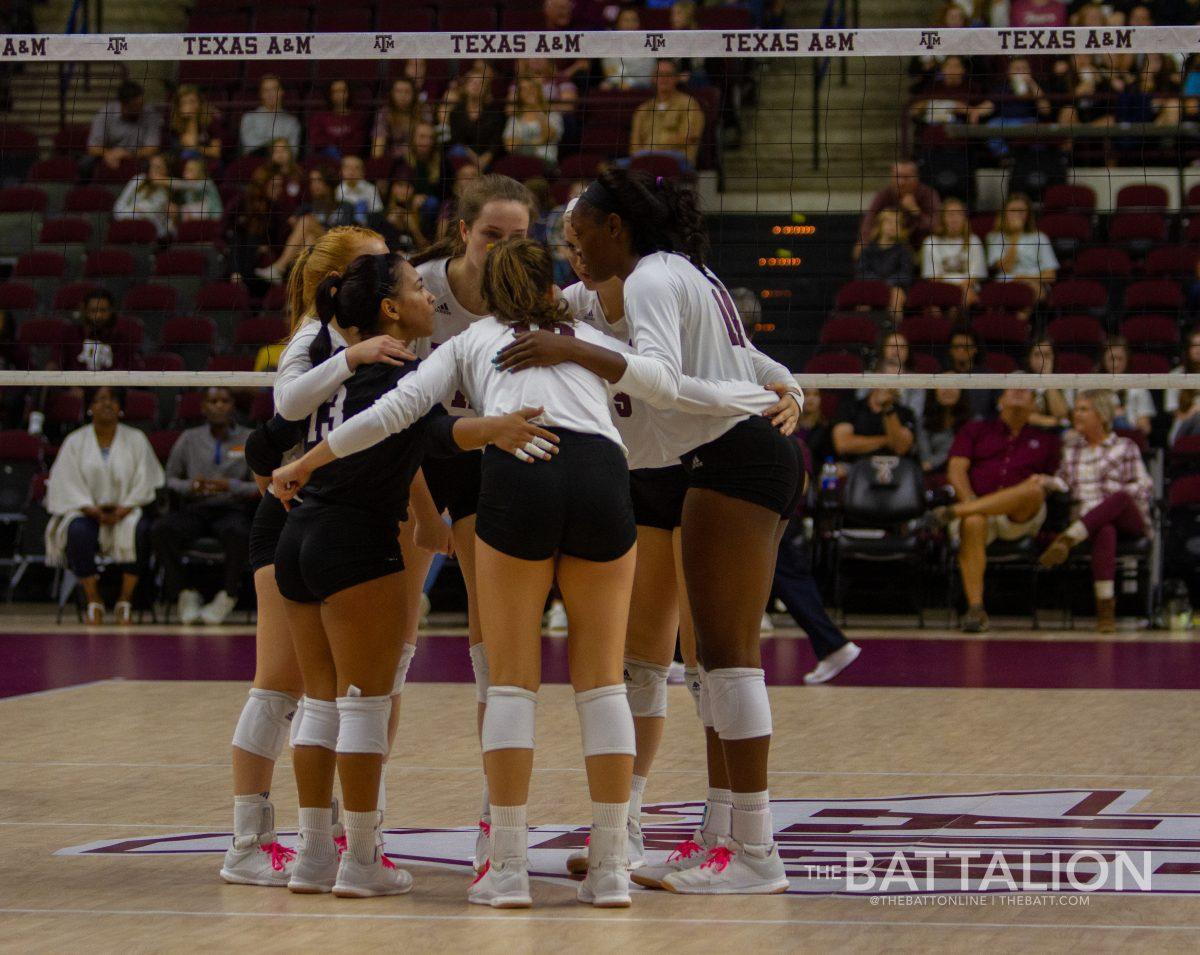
[(1104, 403), (517, 278), (966, 230), (1002, 216), (901, 228), (335, 250)]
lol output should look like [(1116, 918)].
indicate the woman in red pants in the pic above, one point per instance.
[(1110, 492)]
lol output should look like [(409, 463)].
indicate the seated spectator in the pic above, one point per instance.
[(448, 212), (256, 221), (1017, 100), (963, 353), (337, 130), (997, 468), (533, 129), (148, 196), (954, 253), (1135, 407), (104, 475), (1037, 13), (1151, 93), (946, 411), (425, 168), (355, 191), (918, 203), (397, 120), (813, 428), (399, 222), (1052, 406), (924, 69), (124, 129), (671, 122), (100, 348), (893, 358), (281, 160), (559, 16), (1087, 90), (627, 72), (323, 211), (875, 424), (887, 257), (1018, 252), (556, 238), (268, 122), (1110, 496), (693, 71), (1181, 403), (207, 472), (474, 126), (196, 195), (194, 126), (559, 93), (948, 98)]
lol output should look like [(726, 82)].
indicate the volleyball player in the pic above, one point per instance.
[(255, 857), (492, 209), (743, 477), (658, 610)]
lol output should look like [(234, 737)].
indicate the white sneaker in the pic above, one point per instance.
[(123, 612), (218, 609), (267, 863), (94, 615), (556, 617), (833, 664), (607, 883), (189, 607), (767, 625), (314, 876), (687, 855), (577, 862), (504, 886), (381, 877), (483, 845), (735, 870)]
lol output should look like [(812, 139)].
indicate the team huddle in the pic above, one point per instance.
[(618, 440)]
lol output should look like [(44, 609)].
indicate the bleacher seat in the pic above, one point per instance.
[(926, 331), (56, 177), (1067, 231), (226, 303), (834, 363), (68, 300), (253, 333), (111, 269), (996, 330), (141, 409), (19, 300), (45, 341), (1077, 296), (338, 19), (45, 271), (71, 139), (924, 363), (925, 295), (1143, 196), (275, 300), (581, 165), (162, 442), (139, 238), (68, 236), (1102, 263), (230, 363), (1073, 363), (189, 409), (262, 408), (22, 210), (93, 204), (1171, 261), (1061, 197), (1155, 333), (850, 331), (1154, 295), (999, 363), (18, 151), (1138, 231), (863, 294), (522, 168), (1148, 363), (152, 304), (467, 20), (191, 338), (1075, 332), (185, 270), (164, 361), (1005, 298)]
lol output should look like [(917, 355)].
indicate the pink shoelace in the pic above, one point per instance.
[(342, 845), (485, 827), (280, 855), (482, 872), (685, 850), (718, 858)]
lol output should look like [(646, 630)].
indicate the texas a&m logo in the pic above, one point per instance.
[(384, 43), (655, 41), (118, 45)]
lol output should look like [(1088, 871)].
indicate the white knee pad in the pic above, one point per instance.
[(266, 719), (704, 702), (691, 676), (406, 657), (363, 724), (740, 706), (482, 678), (509, 718), (646, 685), (605, 721), (315, 724)]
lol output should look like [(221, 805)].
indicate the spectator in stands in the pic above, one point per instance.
[(337, 130), (559, 16), (559, 93), (875, 424), (208, 474), (1051, 405), (887, 257), (533, 129), (323, 211), (448, 212), (196, 195), (356, 191), (397, 120), (255, 223), (1134, 406), (1087, 90), (426, 168), (671, 122), (924, 69), (918, 203), (949, 98), (125, 129), (1017, 100), (1037, 13), (813, 427), (282, 162), (997, 469), (954, 253), (194, 126), (104, 476), (1110, 496), (893, 357), (148, 196), (474, 126), (1018, 252), (693, 71), (946, 411), (101, 346), (963, 353), (1181, 404), (627, 72), (262, 126), (399, 222)]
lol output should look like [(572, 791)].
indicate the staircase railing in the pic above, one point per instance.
[(86, 16), (837, 15)]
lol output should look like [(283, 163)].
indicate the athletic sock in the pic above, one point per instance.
[(750, 823), (381, 799), (636, 791), (1077, 532), (485, 811), (509, 833), (608, 831), (250, 814), (609, 815), (1104, 589), (316, 833), (362, 835), (717, 810)]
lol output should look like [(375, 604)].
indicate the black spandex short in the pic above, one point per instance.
[(575, 504), (752, 462), (658, 495), (269, 518), (454, 483), (327, 548)]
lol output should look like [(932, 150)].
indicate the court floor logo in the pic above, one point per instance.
[(1074, 840)]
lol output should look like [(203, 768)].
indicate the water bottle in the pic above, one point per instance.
[(829, 477), (1177, 605)]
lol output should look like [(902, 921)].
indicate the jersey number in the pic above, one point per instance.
[(729, 314), (624, 404), (327, 417)]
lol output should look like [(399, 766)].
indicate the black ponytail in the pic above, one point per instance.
[(353, 299), (661, 214)]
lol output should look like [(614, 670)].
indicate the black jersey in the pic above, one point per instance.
[(376, 479), (270, 441)]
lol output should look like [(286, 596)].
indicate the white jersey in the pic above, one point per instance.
[(573, 398), (450, 318), (300, 389)]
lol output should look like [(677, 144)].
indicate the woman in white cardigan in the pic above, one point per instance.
[(105, 473)]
